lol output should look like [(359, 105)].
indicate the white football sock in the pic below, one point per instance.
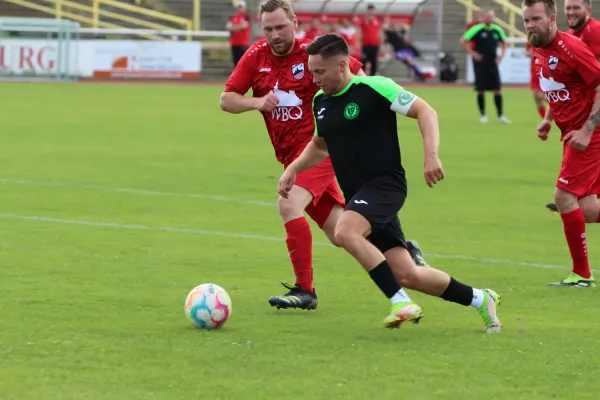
[(477, 298), (400, 297)]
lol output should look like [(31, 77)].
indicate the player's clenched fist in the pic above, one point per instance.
[(433, 170), (286, 182), (267, 103), (544, 129)]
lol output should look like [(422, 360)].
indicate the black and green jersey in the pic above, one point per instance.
[(486, 39), (359, 127)]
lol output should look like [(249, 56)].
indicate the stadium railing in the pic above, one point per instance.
[(98, 13), (510, 26)]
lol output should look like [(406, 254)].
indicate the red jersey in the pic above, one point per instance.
[(590, 35), (370, 31), (313, 33), (240, 38), (291, 125), (568, 74)]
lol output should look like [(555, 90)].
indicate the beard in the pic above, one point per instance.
[(539, 38), (282, 47), (577, 24)]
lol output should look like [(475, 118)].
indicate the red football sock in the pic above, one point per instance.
[(542, 111), (299, 244), (574, 224)]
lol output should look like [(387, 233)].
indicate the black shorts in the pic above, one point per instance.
[(487, 76), (380, 203), (371, 54), (237, 52)]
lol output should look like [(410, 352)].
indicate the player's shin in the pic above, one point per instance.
[(299, 244), (574, 228)]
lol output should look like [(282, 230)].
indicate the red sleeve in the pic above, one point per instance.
[(594, 43), (355, 65), (240, 80), (587, 66)]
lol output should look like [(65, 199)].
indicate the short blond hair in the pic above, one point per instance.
[(274, 5)]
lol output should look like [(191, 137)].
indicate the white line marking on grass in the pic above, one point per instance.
[(255, 237), (32, 182)]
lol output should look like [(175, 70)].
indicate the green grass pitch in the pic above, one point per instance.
[(117, 200)]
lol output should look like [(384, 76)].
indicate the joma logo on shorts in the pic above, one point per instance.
[(563, 180)]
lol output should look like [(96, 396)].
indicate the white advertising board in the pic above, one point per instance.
[(102, 58)]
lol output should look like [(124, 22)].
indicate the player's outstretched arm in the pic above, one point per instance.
[(430, 130), (314, 153)]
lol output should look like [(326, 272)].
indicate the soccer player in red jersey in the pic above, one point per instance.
[(569, 76), (276, 70), (587, 29), (538, 96)]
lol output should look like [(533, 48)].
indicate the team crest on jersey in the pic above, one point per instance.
[(552, 63), (298, 71)]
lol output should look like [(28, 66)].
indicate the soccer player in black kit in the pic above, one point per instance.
[(356, 127)]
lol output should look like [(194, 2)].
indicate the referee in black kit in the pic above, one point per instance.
[(481, 41)]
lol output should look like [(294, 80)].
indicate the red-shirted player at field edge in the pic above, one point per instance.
[(283, 89), (587, 29), (569, 75)]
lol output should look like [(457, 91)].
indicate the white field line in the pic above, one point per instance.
[(255, 237), (32, 182)]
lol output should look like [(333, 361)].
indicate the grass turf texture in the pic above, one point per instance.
[(92, 310)]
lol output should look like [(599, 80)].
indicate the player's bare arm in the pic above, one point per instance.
[(429, 127), (594, 119), (544, 127), (236, 103), (580, 139), (314, 153)]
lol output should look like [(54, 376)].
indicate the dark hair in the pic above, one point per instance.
[(371, 7), (328, 45), (273, 5), (550, 5)]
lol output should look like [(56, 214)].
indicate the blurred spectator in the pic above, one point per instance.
[(315, 29), (370, 28), (239, 26), (348, 31), (403, 51), (301, 31)]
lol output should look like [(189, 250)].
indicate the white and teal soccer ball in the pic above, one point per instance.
[(208, 306)]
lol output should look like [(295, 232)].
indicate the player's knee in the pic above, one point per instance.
[(330, 233), (565, 201), (345, 238), (288, 209)]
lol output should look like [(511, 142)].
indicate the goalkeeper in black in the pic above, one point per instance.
[(356, 126)]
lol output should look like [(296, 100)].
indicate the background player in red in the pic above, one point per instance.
[(569, 76), (239, 26), (586, 28), (538, 96), (283, 89)]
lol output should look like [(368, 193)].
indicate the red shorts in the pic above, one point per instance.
[(580, 170), (320, 182)]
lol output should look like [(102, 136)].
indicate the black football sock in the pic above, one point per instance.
[(481, 103), (498, 101), (457, 292), (384, 278)]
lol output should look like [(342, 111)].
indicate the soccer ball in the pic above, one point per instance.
[(208, 306)]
